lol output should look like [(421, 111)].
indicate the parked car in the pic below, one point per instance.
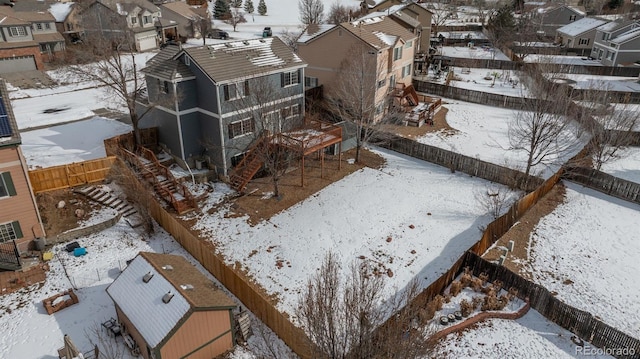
[(217, 34), (267, 32)]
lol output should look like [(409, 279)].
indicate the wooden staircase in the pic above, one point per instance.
[(162, 180), (250, 164)]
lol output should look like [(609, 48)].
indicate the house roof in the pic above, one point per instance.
[(49, 37), (313, 31), (404, 17), (577, 9), (36, 16), (380, 32), (614, 25), (233, 60), (32, 5), (143, 303), (164, 66), (9, 134), (123, 7), (581, 26), (9, 17), (626, 36), (181, 8), (61, 10)]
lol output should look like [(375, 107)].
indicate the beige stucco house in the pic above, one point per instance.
[(387, 47)]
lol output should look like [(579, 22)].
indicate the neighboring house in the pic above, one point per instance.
[(67, 21), (617, 43), (43, 26), (411, 16), (19, 217), (578, 36), (172, 310), (391, 45), (551, 18), (112, 16), (182, 15), (28, 39), (215, 99)]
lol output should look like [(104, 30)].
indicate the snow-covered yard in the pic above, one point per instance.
[(587, 251), (489, 53), (29, 332), (626, 165), (483, 132), (430, 214), (506, 82)]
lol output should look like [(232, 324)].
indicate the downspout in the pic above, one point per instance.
[(222, 148), (180, 138)]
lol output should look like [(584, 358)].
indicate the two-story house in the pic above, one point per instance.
[(19, 216), (391, 46), (213, 101), (617, 43), (183, 16), (43, 27), (111, 17), (551, 18), (67, 22), (27, 40), (577, 37)]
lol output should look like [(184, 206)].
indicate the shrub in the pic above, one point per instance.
[(513, 292), (466, 307), (476, 302), (476, 284), (484, 277), (490, 303), (497, 285), (456, 287), (433, 306)]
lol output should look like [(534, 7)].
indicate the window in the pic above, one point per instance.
[(146, 19), (69, 26), (406, 70), (134, 20), (392, 81), (572, 18), (600, 54), (47, 26), (609, 55), (381, 83), (6, 185), (379, 108), (10, 231), (310, 81), (397, 53), (163, 86), (291, 111), (583, 42), (232, 91), (290, 78), (17, 31), (239, 128), (44, 47), (408, 44), (39, 26)]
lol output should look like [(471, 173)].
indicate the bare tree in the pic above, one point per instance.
[(202, 24), (137, 196), (542, 129), (492, 199), (106, 345), (339, 13), (311, 11), (441, 12), (107, 58), (356, 97), (235, 17), (344, 315), (291, 37)]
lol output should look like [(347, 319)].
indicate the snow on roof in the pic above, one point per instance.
[(142, 302), (317, 30), (626, 36), (264, 55), (581, 26), (60, 10), (386, 38), (374, 3)]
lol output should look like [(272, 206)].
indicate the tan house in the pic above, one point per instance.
[(381, 39), (168, 309), (19, 217)]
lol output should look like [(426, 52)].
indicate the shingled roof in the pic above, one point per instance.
[(165, 66), (380, 32)]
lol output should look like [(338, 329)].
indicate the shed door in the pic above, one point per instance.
[(17, 64)]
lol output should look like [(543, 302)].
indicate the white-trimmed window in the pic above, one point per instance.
[(17, 31), (134, 20), (235, 90), (572, 18), (241, 127), (7, 188), (10, 231), (47, 26), (583, 42), (290, 78), (397, 53), (408, 44), (609, 55), (291, 111), (406, 70), (310, 81), (146, 19), (392, 81), (163, 86), (38, 26), (381, 84)]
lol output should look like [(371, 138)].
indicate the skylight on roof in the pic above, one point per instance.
[(167, 297), (147, 277)]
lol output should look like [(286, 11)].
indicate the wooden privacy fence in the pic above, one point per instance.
[(605, 183), (457, 162), (579, 322), (71, 175), (232, 277)]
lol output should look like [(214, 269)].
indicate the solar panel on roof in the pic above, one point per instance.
[(5, 128)]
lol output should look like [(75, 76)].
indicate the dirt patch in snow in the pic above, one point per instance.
[(58, 220), (439, 124), (520, 232)]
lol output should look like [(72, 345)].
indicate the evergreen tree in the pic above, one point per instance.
[(236, 3), (221, 9), (262, 8), (248, 6)]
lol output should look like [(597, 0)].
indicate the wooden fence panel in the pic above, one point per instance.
[(70, 175), (605, 183)]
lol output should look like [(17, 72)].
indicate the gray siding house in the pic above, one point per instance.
[(617, 43), (212, 102), (552, 18), (578, 37)]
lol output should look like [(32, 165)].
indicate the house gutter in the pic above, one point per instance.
[(224, 151), (180, 138)]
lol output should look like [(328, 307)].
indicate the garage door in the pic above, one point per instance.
[(17, 64), (147, 43)]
